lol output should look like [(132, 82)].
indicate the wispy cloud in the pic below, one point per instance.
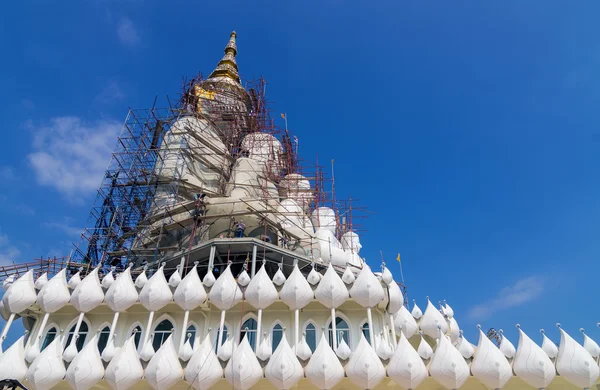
[(70, 154), (523, 291), (112, 92), (7, 173), (10, 206), (127, 32), (66, 227), (8, 252)]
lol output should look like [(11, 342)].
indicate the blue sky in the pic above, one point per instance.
[(469, 129)]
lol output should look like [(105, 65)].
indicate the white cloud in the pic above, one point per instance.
[(8, 252), (523, 291), (65, 227), (71, 155), (111, 92), (127, 32)]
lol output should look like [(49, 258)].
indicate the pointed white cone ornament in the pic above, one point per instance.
[(506, 347), (590, 345), (284, 370), (432, 319), (4, 313), (386, 276), (303, 351), (574, 363), (447, 366), (125, 369), (40, 281), (48, 369), (324, 370), (156, 293), (384, 351), (243, 370), (164, 369), (279, 278), (364, 367), (71, 351), (453, 329), (108, 280), (109, 351), (532, 364), (186, 351), (348, 276), (243, 278), (367, 290), (331, 291), (147, 350), (404, 322), (88, 293), (87, 368), (296, 292), (175, 278), (209, 279), (204, 368), (448, 310), (190, 293), (12, 361), (33, 351), (396, 300), (313, 277), (225, 293), (75, 280), (226, 350), (141, 280), (490, 365), (343, 350), (416, 311), (264, 349), (548, 346), (261, 292), (21, 294), (55, 294), (465, 347), (424, 350), (122, 294), (406, 367)]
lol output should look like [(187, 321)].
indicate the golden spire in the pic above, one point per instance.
[(227, 67)]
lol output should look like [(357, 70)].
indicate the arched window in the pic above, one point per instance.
[(249, 330), (83, 331), (103, 338), (217, 337), (311, 336), (161, 333), (276, 336), (191, 330), (137, 332), (365, 330), (340, 326), (50, 336)]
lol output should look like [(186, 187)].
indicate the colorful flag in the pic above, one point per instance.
[(283, 116), (398, 258)]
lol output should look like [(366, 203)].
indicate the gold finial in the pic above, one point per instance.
[(227, 67)]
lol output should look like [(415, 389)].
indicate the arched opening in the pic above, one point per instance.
[(342, 330), (366, 332), (249, 330), (191, 332), (83, 331), (103, 338), (137, 335), (276, 336), (50, 336), (311, 336), (217, 337), (161, 333)]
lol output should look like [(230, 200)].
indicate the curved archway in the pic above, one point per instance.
[(83, 332), (342, 327), (192, 330), (276, 336), (50, 335), (311, 335), (162, 331), (249, 330), (103, 338), (366, 331)]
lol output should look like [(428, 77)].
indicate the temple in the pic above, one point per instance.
[(217, 258)]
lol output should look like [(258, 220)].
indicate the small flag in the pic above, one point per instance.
[(283, 116), (398, 258)]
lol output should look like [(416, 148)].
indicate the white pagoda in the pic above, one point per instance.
[(226, 269)]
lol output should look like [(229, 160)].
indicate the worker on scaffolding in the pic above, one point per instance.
[(284, 241), (200, 205), (239, 230)]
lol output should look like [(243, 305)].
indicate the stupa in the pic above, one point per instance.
[(214, 262)]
